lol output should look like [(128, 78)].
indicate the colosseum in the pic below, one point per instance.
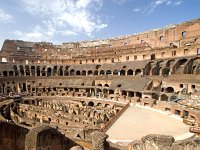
[(135, 92)]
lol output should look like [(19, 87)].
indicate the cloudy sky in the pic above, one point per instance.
[(60, 21)]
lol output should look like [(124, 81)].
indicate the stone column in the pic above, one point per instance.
[(99, 141)]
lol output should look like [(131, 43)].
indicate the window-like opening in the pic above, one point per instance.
[(102, 72), (153, 56), (185, 51), (181, 85), (177, 112), (90, 72), (108, 72), (127, 57), (130, 72), (163, 54), (198, 51), (183, 33), (170, 90), (135, 57), (164, 97), (122, 72), (119, 85), (115, 72), (185, 113), (90, 103), (193, 86), (173, 53), (96, 72), (161, 38), (138, 72)]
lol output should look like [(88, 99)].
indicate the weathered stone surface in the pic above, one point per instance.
[(45, 137), (99, 140), (154, 141), (192, 144)]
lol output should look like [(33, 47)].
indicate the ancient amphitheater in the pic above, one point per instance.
[(136, 92)]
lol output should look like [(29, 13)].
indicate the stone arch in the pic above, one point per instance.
[(44, 72), (83, 73), (21, 69), (16, 70), (66, 73), (49, 71), (102, 72), (99, 104), (55, 70), (111, 91), (155, 96), (72, 72), (99, 84), (170, 63), (96, 72), (131, 94), (115, 72), (78, 73), (138, 94), (107, 105), (108, 72), (60, 72), (90, 72), (124, 93), (106, 85), (83, 103), (11, 73), (138, 72), (122, 72), (195, 68), (27, 70), (164, 97), (130, 72), (170, 90), (38, 70), (5, 73), (90, 103), (33, 70)]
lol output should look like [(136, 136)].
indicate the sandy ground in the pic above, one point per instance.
[(138, 121)]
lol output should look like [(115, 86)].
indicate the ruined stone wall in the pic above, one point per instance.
[(163, 142), (173, 41), (12, 136)]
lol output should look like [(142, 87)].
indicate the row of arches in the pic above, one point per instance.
[(72, 72)]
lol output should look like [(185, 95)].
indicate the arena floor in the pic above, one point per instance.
[(138, 121)]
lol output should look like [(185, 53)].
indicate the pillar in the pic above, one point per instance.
[(99, 141)]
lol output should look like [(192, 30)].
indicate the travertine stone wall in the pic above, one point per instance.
[(45, 137), (12, 136), (164, 142), (99, 141)]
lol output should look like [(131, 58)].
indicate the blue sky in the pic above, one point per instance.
[(61, 21)]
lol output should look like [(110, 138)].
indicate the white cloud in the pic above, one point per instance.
[(168, 2), (137, 9), (178, 3), (74, 16), (66, 33), (157, 3), (38, 34), (120, 2), (4, 17)]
